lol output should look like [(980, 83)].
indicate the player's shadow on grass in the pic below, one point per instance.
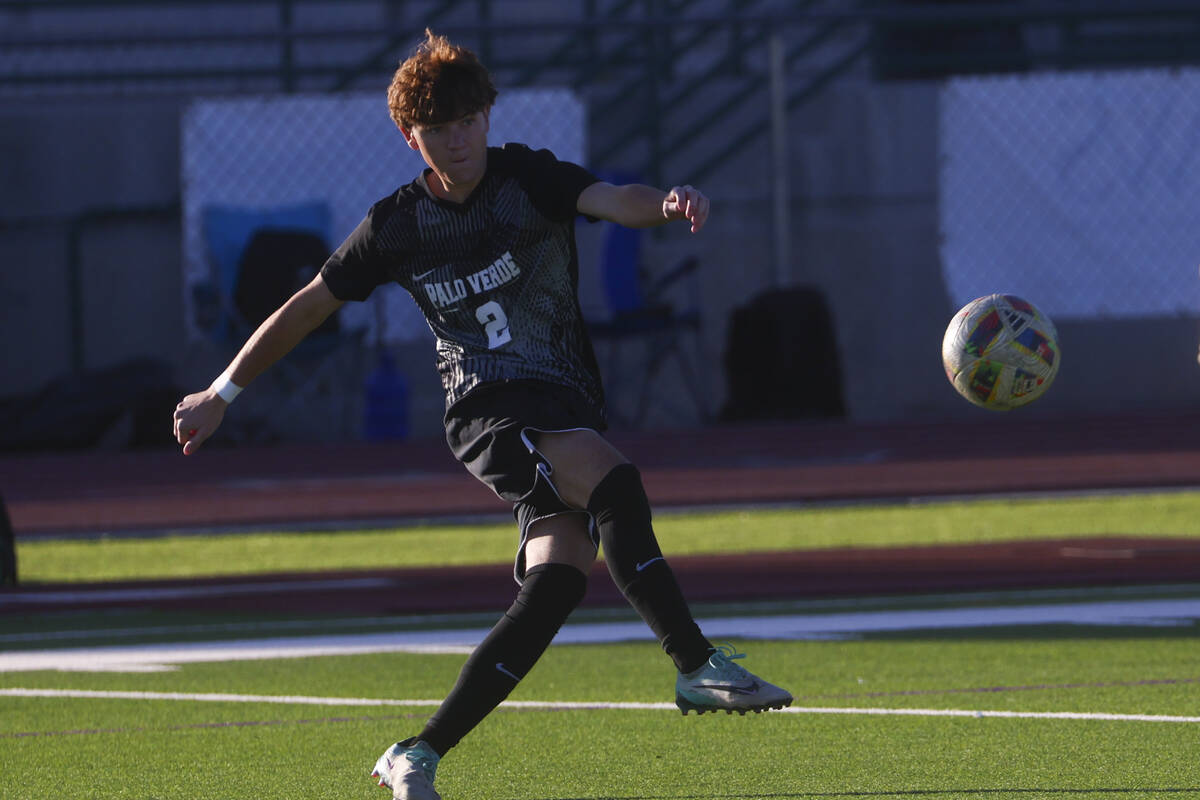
[(902, 793)]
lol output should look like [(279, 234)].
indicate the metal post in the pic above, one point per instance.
[(287, 52), (485, 44), (781, 188), (655, 59), (75, 312)]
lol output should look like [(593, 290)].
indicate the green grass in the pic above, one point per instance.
[(1174, 514), (159, 749), (162, 749)]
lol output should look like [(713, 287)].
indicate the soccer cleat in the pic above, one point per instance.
[(407, 768), (721, 685)]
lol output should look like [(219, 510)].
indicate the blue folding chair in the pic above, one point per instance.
[(257, 259)]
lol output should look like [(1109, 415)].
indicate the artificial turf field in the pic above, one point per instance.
[(997, 712), (997, 695)]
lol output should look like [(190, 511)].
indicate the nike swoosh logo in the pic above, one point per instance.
[(424, 274), (501, 668), (732, 688), (644, 564)]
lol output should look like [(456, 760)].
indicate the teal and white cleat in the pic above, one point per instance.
[(721, 685), (408, 768)]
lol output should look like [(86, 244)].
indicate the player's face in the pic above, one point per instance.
[(456, 151)]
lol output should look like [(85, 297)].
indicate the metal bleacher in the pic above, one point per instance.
[(666, 80), (659, 76)]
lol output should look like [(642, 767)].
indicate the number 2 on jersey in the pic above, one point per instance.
[(495, 324)]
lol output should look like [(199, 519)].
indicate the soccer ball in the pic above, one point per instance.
[(1000, 352)]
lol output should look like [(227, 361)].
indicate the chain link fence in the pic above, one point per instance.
[(323, 160), (1079, 191)]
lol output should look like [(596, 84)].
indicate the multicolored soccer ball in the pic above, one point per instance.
[(1000, 352)]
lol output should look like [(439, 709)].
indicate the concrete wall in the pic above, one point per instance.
[(864, 200), (864, 161), (64, 160)]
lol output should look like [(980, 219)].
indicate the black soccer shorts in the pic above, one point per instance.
[(489, 432)]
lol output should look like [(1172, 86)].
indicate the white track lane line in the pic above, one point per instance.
[(159, 657), (557, 706)]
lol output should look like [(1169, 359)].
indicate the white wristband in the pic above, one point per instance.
[(226, 389)]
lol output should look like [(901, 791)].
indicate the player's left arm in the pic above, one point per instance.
[(636, 205)]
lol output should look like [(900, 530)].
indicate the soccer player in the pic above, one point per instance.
[(484, 241)]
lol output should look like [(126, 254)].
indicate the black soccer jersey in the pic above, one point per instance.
[(496, 276)]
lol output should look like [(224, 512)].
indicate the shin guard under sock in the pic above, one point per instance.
[(636, 563), (547, 597)]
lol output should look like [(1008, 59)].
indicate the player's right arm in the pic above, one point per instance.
[(635, 205), (198, 415)]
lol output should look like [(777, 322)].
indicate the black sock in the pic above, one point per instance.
[(547, 597), (636, 564)]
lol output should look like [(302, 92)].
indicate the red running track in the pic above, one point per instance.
[(815, 462)]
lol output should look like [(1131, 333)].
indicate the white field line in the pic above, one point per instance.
[(215, 697), (557, 706)]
